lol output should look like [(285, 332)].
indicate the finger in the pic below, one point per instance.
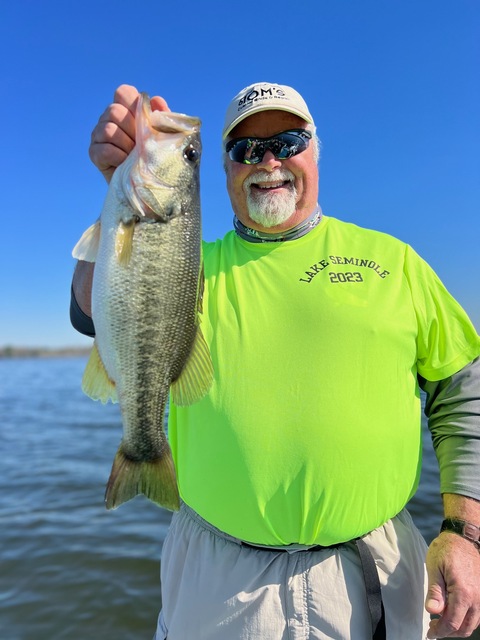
[(159, 104), (450, 623), (107, 158), (463, 632), (111, 133), (435, 601), (127, 96), (112, 139), (120, 116), (109, 147), (470, 623)]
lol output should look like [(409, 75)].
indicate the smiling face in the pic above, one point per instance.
[(273, 195)]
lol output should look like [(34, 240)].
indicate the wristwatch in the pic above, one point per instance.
[(465, 529)]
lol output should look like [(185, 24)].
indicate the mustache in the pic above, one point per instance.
[(268, 176)]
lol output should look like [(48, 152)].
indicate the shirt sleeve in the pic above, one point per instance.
[(446, 338), (453, 411), (80, 321)]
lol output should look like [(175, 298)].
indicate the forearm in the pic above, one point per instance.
[(82, 285), (453, 412), (80, 304), (461, 508)]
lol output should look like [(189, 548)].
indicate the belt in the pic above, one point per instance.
[(374, 592)]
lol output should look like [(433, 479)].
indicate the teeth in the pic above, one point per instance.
[(271, 185)]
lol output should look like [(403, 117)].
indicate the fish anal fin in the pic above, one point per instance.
[(87, 247), (95, 382), (155, 479), (124, 242), (197, 375)]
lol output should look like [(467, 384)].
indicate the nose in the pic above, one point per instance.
[(269, 162)]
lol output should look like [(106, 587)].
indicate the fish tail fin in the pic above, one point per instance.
[(95, 382), (197, 375), (155, 479)]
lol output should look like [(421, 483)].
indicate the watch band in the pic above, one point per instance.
[(462, 528)]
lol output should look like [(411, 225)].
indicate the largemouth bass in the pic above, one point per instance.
[(146, 300)]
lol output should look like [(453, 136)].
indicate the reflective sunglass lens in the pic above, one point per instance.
[(283, 145), (241, 150), (254, 152)]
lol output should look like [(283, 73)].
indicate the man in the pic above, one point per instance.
[(294, 471)]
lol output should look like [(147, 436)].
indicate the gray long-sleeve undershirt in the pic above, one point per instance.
[(453, 411)]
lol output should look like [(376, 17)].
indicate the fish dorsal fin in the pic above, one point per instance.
[(124, 242), (87, 247), (95, 382), (197, 374)]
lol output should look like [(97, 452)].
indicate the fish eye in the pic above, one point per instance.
[(191, 154)]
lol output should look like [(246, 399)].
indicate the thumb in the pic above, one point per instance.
[(158, 103), (436, 601)]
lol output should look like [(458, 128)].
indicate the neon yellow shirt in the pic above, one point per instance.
[(311, 432)]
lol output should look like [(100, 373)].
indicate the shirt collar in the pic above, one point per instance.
[(252, 235)]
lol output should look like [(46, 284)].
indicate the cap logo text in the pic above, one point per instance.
[(254, 95)]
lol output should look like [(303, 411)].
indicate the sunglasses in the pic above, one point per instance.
[(283, 145)]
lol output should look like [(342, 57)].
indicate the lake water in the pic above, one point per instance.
[(68, 567)]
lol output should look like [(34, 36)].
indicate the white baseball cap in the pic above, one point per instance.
[(262, 96)]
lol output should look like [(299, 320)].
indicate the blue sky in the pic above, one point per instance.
[(392, 84)]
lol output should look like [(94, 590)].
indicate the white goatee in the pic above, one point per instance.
[(268, 207)]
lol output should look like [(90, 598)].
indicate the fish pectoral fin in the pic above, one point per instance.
[(197, 375), (155, 479), (87, 247), (124, 242), (95, 382), (201, 289)]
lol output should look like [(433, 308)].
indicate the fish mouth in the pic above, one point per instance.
[(169, 122), (157, 165)]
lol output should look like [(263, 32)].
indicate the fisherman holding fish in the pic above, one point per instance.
[(294, 378)]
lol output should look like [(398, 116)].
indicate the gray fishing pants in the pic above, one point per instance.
[(215, 588)]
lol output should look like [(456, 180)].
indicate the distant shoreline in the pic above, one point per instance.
[(9, 352)]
